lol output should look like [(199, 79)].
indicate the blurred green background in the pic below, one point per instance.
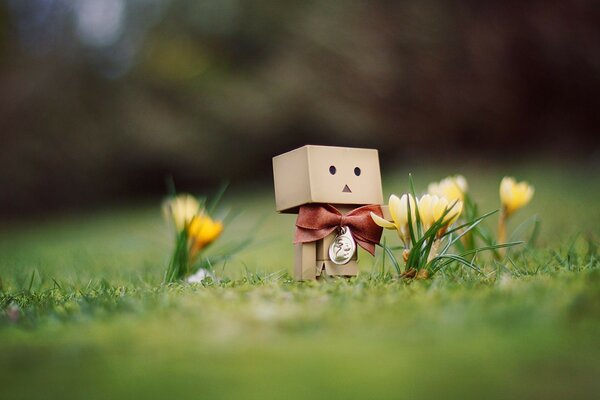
[(100, 100)]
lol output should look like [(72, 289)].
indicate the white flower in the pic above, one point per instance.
[(199, 276)]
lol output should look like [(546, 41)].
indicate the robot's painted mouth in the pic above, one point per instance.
[(346, 189)]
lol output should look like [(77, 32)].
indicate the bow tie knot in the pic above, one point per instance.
[(342, 220), (316, 221)]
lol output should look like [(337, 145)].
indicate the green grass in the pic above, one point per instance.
[(95, 321)]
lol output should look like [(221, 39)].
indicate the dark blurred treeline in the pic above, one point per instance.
[(101, 99)]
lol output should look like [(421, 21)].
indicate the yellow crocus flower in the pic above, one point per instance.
[(399, 212), (180, 210), (203, 230), (514, 195), (431, 209), (426, 205), (455, 211), (451, 187)]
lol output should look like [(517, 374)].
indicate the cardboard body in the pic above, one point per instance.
[(312, 259), (345, 177)]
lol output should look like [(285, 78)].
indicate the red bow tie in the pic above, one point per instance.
[(315, 221)]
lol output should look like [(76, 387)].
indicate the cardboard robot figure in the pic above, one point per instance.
[(333, 190)]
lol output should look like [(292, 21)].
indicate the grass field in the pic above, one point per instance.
[(83, 313)]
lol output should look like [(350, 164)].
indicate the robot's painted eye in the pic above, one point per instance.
[(332, 170), (357, 171)]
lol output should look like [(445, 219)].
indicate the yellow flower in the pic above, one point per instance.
[(426, 206), (399, 213), (181, 210), (203, 230), (452, 188), (456, 207), (514, 195), (431, 209)]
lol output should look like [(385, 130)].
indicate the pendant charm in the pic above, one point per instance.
[(343, 247)]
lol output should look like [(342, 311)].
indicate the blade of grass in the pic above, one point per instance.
[(214, 202), (411, 229), (417, 214), (465, 232), (383, 258), (458, 259), (491, 247), (56, 284), (170, 184), (533, 220), (535, 233), (392, 259), (470, 222), (31, 281)]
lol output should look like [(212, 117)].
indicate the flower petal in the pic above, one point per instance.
[(395, 205), (425, 210), (384, 223)]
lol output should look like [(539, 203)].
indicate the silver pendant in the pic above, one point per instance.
[(343, 247)]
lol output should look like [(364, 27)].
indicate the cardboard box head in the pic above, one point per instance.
[(325, 174)]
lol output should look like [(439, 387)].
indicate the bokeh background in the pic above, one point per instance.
[(101, 100)]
